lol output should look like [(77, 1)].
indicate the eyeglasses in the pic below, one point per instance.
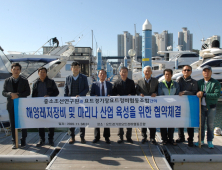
[(187, 70)]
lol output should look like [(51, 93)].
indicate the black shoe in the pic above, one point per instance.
[(83, 140), (172, 142), (23, 143), (129, 140), (41, 143), (180, 140), (153, 141), (95, 141), (164, 142), (13, 146), (107, 140), (72, 140), (120, 140), (144, 140), (51, 143), (190, 143)]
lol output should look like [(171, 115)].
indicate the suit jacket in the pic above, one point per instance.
[(23, 90), (141, 87), (118, 88), (52, 89), (83, 85), (95, 90)]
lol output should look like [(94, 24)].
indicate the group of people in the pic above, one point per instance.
[(208, 89)]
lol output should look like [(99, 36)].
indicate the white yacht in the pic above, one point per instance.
[(29, 70), (160, 63), (211, 57)]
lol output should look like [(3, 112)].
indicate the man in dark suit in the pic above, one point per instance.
[(76, 85), (15, 86), (101, 88), (147, 86), (44, 87), (124, 87)]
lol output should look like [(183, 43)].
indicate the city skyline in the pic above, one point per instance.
[(27, 25)]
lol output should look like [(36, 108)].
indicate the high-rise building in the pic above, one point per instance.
[(137, 44), (185, 39), (160, 42), (126, 41)]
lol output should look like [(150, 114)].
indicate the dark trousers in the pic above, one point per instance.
[(190, 132), (72, 132), (167, 135), (128, 133), (50, 134), (152, 133), (106, 133), (12, 123)]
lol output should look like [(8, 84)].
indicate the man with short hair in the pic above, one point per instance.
[(124, 87), (168, 87), (188, 86), (44, 87), (15, 86), (147, 86), (101, 88), (209, 92), (76, 85)]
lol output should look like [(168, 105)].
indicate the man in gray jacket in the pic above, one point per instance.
[(15, 86), (188, 86), (147, 86)]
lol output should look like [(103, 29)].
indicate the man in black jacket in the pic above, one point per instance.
[(15, 86), (124, 87), (188, 86), (44, 87)]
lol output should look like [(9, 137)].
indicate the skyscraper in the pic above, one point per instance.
[(185, 39), (126, 41), (160, 42)]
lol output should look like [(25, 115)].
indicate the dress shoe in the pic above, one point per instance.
[(190, 143), (23, 143), (129, 140), (51, 143), (83, 140), (144, 140), (41, 143), (72, 140), (107, 140), (95, 141), (153, 141), (180, 140), (120, 140)]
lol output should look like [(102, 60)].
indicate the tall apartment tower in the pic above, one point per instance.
[(137, 44), (185, 39), (126, 41), (160, 42)]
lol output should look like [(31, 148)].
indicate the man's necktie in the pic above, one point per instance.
[(103, 90)]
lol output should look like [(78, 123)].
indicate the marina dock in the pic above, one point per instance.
[(183, 157), (29, 157), (108, 156)]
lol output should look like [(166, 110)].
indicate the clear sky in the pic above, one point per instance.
[(27, 24)]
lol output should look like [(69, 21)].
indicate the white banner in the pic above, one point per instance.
[(118, 111)]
